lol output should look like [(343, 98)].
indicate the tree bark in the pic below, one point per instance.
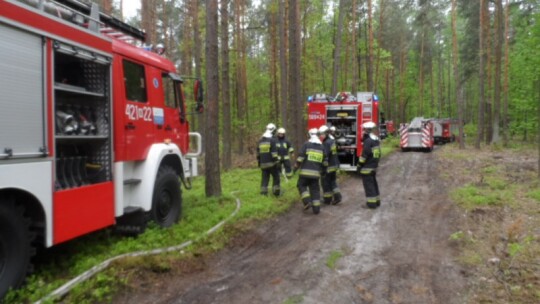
[(498, 67), (274, 87), (283, 57), (481, 73), (148, 20), (212, 168), (297, 123), (354, 65), (225, 91), (337, 46), (458, 84), (506, 72), (370, 47)]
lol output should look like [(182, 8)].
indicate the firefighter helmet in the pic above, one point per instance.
[(324, 129), (313, 132), (281, 131), (271, 127), (369, 126)]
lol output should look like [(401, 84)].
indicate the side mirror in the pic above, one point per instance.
[(199, 95)]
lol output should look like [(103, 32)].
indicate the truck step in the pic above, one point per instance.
[(132, 181), (133, 222)]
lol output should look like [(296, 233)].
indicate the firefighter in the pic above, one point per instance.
[(311, 162), (267, 158), (367, 165), (285, 151), (331, 193), (332, 132)]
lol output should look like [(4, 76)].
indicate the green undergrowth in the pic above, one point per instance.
[(64, 262), (389, 145), (498, 191)]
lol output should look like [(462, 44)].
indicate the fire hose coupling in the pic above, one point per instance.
[(70, 122)]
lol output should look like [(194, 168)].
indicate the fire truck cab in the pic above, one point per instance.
[(93, 130), (347, 112)]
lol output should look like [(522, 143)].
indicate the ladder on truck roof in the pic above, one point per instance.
[(76, 11)]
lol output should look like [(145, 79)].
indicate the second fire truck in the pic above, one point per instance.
[(347, 113)]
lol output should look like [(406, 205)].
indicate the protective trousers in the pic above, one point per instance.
[(309, 191), (266, 173), (331, 193), (286, 163), (371, 187)]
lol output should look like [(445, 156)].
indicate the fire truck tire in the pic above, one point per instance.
[(167, 198), (15, 245)]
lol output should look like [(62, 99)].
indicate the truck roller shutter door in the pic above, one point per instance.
[(22, 127)]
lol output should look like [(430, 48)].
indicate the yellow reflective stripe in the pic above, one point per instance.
[(366, 171), (328, 194), (362, 160), (300, 159), (286, 157), (316, 203), (305, 194), (309, 172)]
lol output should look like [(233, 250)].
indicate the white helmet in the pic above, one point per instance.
[(313, 132), (323, 129), (271, 127), (369, 125), (332, 129), (281, 131)]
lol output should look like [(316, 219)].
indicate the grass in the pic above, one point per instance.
[(333, 258), (498, 192)]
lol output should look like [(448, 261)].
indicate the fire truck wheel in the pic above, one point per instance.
[(15, 246), (167, 198)]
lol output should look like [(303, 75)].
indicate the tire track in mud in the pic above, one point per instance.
[(398, 253)]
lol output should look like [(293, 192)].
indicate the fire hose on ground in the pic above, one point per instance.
[(64, 289)]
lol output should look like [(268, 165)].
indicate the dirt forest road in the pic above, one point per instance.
[(399, 253)]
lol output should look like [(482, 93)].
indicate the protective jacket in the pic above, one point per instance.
[(267, 154), (331, 151), (312, 159), (284, 148), (371, 153)]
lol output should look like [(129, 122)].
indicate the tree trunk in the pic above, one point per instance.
[(274, 87), (283, 56), (421, 77), (225, 91), (297, 123), (506, 72), (489, 75), (370, 47), (107, 6), (212, 170), (481, 73), (379, 39), (148, 20), (337, 46), (240, 90), (197, 53), (498, 67), (354, 65), (458, 84)]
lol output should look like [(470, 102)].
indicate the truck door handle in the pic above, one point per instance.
[(130, 126), (168, 128)]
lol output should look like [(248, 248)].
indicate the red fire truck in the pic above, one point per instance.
[(418, 135), (346, 112), (445, 130), (93, 130)]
